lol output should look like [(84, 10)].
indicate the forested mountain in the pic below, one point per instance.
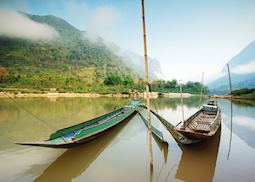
[(242, 68), (70, 62)]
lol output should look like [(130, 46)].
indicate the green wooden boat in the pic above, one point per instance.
[(158, 134), (86, 131)]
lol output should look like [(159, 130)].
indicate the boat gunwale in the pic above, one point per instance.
[(200, 135), (52, 137), (99, 131)]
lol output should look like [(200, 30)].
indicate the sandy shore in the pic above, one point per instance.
[(61, 95), (231, 97), (221, 96), (91, 95), (173, 95)]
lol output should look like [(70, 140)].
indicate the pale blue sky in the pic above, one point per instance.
[(186, 36)]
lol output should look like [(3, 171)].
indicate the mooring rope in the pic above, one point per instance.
[(29, 112)]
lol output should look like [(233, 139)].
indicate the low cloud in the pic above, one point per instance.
[(102, 19), (244, 69), (96, 21), (17, 25)]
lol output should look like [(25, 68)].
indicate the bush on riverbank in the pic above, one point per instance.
[(245, 92), (95, 83)]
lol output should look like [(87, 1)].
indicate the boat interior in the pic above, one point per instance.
[(201, 122), (71, 135)]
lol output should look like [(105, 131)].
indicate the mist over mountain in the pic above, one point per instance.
[(19, 25), (242, 69), (69, 58), (136, 62), (132, 60)]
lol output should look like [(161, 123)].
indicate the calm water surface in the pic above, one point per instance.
[(122, 154)]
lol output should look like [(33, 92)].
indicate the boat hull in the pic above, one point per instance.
[(88, 130), (194, 135), (79, 141)]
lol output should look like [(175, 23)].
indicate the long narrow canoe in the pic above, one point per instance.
[(158, 134), (203, 124), (86, 131), (179, 137)]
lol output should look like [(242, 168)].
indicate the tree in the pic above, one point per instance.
[(3, 74), (112, 80), (128, 81)]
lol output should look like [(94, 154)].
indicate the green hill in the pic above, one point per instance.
[(72, 63), (69, 63)]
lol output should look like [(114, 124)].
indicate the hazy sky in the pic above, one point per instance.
[(186, 36)]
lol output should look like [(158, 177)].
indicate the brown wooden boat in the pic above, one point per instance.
[(203, 124)]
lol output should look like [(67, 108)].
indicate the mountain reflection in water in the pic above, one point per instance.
[(122, 154)]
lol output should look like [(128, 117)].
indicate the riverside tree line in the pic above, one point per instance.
[(90, 80)]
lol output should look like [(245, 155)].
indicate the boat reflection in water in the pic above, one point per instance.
[(163, 147), (198, 161), (75, 161)]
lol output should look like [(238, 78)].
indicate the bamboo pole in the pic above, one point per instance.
[(182, 106), (231, 128), (147, 86), (231, 111), (201, 91), (229, 77)]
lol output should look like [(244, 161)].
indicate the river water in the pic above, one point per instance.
[(123, 153)]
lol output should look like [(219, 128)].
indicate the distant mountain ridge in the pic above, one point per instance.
[(136, 62), (242, 69)]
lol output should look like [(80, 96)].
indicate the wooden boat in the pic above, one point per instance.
[(179, 137), (203, 124), (156, 133), (86, 131), (75, 161)]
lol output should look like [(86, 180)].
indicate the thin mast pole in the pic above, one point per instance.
[(231, 112), (182, 104), (201, 91), (229, 77), (231, 128), (147, 86)]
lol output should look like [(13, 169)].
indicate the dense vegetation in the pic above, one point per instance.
[(164, 86), (71, 63), (245, 93)]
